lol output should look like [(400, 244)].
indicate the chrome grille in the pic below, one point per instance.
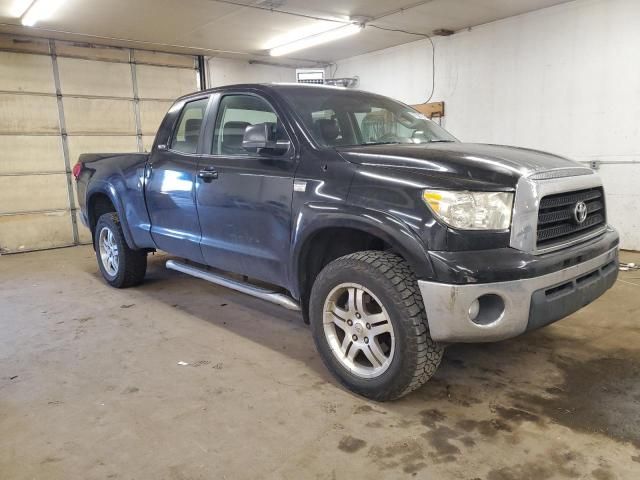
[(556, 220)]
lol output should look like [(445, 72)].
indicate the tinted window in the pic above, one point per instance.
[(337, 117), (235, 114), (186, 136)]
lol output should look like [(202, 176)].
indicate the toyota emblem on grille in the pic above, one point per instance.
[(580, 212)]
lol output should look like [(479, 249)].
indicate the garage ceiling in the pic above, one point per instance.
[(241, 28)]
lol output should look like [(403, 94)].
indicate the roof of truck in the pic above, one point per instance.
[(266, 86)]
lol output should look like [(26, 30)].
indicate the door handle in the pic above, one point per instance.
[(207, 174)]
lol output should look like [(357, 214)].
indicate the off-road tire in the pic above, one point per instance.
[(391, 280), (132, 264)]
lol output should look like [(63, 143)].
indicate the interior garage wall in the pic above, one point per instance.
[(228, 71), (564, 79), (61, 99)]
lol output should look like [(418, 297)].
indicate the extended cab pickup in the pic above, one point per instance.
[(392, 237)]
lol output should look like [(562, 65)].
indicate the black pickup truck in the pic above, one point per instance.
[(392, 237)]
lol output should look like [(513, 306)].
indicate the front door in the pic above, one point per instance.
[(244, 206), (170, 190)]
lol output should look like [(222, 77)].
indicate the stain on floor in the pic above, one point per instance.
[(597, 395), (92, 389), (351, 444)]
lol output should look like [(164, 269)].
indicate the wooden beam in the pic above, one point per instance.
[(431, 110)]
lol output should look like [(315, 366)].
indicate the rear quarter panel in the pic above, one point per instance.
[(121, 177)]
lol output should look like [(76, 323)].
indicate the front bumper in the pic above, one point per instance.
[(510, 308)]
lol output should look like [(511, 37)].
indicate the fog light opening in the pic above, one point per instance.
[(486, 309)]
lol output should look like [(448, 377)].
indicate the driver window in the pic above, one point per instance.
[(235, 114)]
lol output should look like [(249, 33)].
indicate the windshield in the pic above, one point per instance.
[(346, 117)]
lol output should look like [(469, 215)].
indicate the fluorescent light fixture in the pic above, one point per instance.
[(317, 39), (18, 7), (302, 32), (40, 10)]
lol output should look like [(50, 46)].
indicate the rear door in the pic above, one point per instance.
[(170, 190), (244, 205)]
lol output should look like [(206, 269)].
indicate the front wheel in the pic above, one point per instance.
[(369, 325), (121, 266)]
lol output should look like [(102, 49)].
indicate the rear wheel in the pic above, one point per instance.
[(120, 266), (369, 325)]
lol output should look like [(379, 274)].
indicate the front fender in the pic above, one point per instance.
[(315, 217)]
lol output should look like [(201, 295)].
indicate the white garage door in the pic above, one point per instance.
[(58, 100)]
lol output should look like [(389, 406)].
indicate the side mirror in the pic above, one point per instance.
[(259, 137)]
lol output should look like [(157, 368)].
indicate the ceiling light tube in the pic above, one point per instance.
[(317, 39), (302, 32), (18, 7), (40, 10)]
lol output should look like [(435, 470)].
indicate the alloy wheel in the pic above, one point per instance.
[(108, 251), (359, 331)]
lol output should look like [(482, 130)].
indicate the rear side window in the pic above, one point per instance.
[(186, 135)]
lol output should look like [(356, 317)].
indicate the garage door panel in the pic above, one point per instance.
[(29, 154), (24, 44), (151, 115), (95, 52), (26, 73), (31, 193), (164, 82), (99, 116), (160, 58), (100, 144), (84, 233), (147, 142), (88, 77), (35, 231), (28, 114)]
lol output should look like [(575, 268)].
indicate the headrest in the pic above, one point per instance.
[(328, 129), (192, 126)]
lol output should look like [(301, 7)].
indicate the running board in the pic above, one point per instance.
[(268, 295)]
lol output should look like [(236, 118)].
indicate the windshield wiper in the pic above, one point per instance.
[(380, 143), (441, 141)]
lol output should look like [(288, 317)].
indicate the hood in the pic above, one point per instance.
[(496, 164)]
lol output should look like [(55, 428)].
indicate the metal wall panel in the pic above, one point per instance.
[(92, 78), (99, 116), (30, 154), (33, 193), (165, 82), (36, 231), (26, 73), (28, 114)]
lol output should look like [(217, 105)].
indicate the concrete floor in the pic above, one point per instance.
[(91, 388)]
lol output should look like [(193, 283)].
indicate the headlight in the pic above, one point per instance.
[(471, 210)]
